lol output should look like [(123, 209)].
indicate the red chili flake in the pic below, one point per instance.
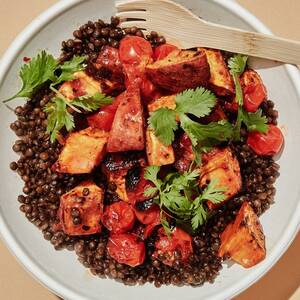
[(26, 59)]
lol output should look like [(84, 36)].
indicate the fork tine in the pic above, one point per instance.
[(126, 5), (138, 24), (131, 14)]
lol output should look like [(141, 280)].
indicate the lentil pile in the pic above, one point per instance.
[(43, 187)]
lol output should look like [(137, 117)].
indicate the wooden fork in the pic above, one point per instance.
[(177, 23)]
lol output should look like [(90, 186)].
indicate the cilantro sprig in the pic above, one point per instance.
[(198, 102), (44, 68), (253, 121), (59, 116), (180, 197)]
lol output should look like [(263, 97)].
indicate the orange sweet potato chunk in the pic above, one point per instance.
[(222, 165), (82, 152), (220, 79), (243, 240), (87, 200), (180, 70), (157, 153)]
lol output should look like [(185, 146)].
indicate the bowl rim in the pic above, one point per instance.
[(33, 268)]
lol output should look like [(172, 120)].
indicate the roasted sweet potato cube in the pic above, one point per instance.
[(157, 153), (243, 240), (180, 70), (127, 132), (220, 79), (165, 101), (84, 202), (81, 85), (222, 165), (82, 151)]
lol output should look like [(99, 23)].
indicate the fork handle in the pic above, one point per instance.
[(244, 42)]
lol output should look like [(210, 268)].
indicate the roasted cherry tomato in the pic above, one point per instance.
[(268, 143), (168, 249), (126, 249), (103, 119), (118, 217), (163, 51), (136, 185), (148, 216), (135, 50), (253, 89)]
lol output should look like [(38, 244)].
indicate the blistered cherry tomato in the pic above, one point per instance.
[(134, 50), (268, 143), (163, 51), (254, 95), (253, 89), (179, 242), (148, 216), (103, 119), (126, 249), (118, 217)]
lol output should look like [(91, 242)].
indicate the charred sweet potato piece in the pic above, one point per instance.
[(84, 202), (165, 101), (180, 70), (220, 164), (127, 132), (136, 185), (82, 151), (116, 165), (157, 153), (220, 79), (243, 240), (81, 85)]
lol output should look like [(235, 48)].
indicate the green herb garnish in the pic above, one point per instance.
[(180, 197), (253, 121), (43, 68), (198, 102), (59, 117)]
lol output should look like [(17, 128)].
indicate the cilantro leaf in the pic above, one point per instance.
[(58, 117), (199, 217), (151, 173), (163, 121), (179, 196), (213, 192), (35, 73), (91, 103), (68, 68), (198, 102), (255, 121), (150, 191), (237, 63), (218, 131)]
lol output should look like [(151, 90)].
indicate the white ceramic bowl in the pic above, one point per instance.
[(60, 271)]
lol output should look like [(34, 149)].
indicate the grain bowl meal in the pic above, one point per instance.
[(152, 163)]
